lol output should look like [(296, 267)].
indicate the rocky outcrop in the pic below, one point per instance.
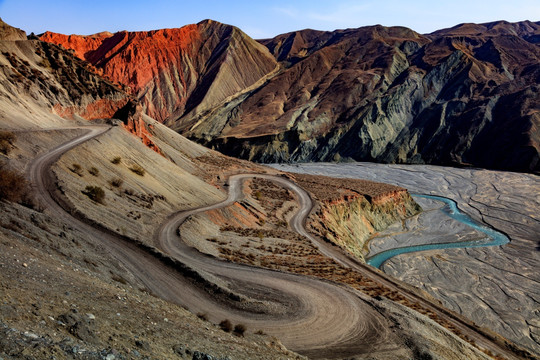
[(350, 211), (36, 75), (461, 96), (132, 117), (175, 72)]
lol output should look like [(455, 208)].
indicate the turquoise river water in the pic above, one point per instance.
[(495, 238)]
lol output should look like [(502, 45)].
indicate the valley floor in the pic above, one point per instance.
[(497, 287)]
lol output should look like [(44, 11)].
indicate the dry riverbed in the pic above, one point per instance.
[(497, 287)]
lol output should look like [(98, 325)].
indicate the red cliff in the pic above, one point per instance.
[(175, 71)]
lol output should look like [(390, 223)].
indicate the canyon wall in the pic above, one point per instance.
[(350, 211), (463, 96)]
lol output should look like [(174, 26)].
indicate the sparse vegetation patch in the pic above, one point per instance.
[(137, 169), (95, 193), (7, 138)]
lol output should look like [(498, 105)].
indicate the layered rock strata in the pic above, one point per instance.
[(355, 210), (175, 72)]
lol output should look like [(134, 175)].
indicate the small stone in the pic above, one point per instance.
[(179, 349), (110, 357), (90, 316), (141, 344), (31, 335), (25, 264), (166, 320)]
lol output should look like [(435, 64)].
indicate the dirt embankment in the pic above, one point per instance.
[(350, 211)]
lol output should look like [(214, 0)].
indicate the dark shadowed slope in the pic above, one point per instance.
[(466, 95)]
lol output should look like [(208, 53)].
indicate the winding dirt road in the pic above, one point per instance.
[(171, 243), (314, 317)]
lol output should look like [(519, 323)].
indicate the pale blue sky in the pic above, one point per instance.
[(260, 19)]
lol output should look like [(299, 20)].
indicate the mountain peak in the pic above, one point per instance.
[(10, 33), (176, 70), (494, 28)]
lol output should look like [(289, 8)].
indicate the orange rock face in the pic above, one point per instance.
[(175, 71), (83, 45), (132, 115), (99, 109)]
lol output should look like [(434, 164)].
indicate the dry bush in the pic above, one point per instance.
[(239, 329), (7, 138), (77, 169), (137, 169), (95, 193), (226, 326), (203, 316), (117, 182), (13, 186), (116, 160), (93, 171)]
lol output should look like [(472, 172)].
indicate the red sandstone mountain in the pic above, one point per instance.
[(176, 71), (36, 75), (468, 95)]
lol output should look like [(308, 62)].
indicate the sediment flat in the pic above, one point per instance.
[(497, 287)]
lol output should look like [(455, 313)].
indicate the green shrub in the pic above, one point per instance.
[(7, 138), (95, 193), (226, 326), (116, 160), (239, 329), (137, 170), (117, 182), (93, 171)]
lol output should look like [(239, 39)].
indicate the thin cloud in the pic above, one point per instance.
[(257, 33), (345, 14), (287, 11)]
